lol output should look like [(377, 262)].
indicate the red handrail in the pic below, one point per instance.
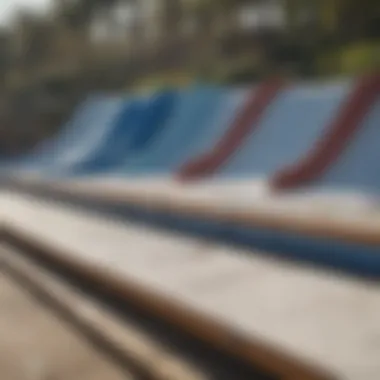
[(337, 136), (245, 122)]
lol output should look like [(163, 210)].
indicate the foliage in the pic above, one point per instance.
[(335, 40)]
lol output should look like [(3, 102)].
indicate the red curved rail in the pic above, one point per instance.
[(334, 140), (246, 120)]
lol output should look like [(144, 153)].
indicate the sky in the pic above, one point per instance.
[(9, 7)]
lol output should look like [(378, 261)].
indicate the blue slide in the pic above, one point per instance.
[(89, 119), (131, 130), (201, 116), (358, 167), (288, 129), (51, 147)]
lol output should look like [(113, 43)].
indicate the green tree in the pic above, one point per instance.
[(5, 55)]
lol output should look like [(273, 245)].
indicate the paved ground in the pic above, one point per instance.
[(36, 345)]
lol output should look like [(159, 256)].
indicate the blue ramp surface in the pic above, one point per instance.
[(78, 136), (89, 135), (200, 117), (138, 122), (359, 166), (153, 118), (288, 129), (110, 146), (49, 149)]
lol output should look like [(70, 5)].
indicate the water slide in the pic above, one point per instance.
[(108, 149), (87, 124), (156, 135), (244, 124), (287, 130), (90, 135), (131, 131), (125, 136), (99, 136), (50, 148), (347, 154), (157, 110), (358, 166), (202, 114)]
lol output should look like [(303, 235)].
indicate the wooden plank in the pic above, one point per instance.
[(147, 357), (36, 344), (360, 226), (298, 323)]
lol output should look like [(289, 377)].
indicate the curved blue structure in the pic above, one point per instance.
[(89, 135), (131, 130), (200, 117), (45, 152), (288, 129), (110, 148), (60, 152), (153, 118), (358, 167)]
